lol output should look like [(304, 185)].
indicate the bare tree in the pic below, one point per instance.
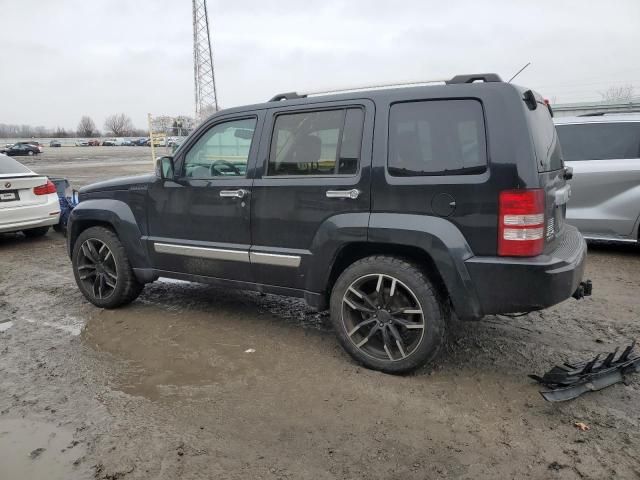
[(623, 93), (119, 124), (86, 127)]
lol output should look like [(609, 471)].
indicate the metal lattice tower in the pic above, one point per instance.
[(205, 84)]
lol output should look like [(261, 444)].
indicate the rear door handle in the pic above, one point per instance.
[(352, 194), (240, 193)]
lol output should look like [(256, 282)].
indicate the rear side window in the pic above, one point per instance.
[(600, 141), (545, 138), (323, 142), (10, 166), (437, 137)]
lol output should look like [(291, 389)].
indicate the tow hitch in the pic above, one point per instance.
[(583, 290), (570, 380)]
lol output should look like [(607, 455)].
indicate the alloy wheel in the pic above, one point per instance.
[(97, 268), (383, 317)]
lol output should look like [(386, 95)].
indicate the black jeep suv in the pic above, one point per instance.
[(391, 207)]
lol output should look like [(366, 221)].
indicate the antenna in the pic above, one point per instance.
[(519, 72), (204, 79)]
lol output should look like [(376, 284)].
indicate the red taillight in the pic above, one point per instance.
[(521, 223), (45, 189)]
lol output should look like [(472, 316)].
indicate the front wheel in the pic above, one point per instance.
[(102, 270), (387, 314)]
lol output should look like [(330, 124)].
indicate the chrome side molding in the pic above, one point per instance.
[(259, 258)]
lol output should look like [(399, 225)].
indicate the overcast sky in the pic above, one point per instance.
[(66, 58)]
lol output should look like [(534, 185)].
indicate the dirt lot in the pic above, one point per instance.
[(165, 389)]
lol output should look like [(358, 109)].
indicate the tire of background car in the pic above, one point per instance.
[(102, 269), (30, 152), (387, 314), (36, 232)]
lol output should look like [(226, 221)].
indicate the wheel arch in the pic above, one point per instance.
[(115, 215), (434, 244)]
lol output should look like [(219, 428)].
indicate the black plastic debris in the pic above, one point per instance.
[(570, 380)]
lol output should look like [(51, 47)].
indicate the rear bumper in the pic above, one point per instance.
[(15, 219), (509, 285)]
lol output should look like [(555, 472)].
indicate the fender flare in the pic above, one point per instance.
[(438, 238), (119, 216), (443, 242)]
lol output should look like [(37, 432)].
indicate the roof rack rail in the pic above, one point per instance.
[(470, 78), (286, 96), (612, 112), (473, 77)]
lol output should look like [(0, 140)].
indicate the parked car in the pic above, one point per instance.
[(21, 149), (389, 207), (28, 201), (55, 143), (109, 142), (82, 143), (141, 142), (125, 142), (33, 143), (159, 140), (94, 142), (604, 152)]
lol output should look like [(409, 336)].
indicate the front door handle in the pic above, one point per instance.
[(240, 193), (352, 194)]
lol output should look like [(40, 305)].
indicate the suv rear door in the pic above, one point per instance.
[(605, 157), (313, 179)]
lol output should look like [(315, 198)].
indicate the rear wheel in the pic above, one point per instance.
[(102, 270), (36, 232), (30, 153), (387, 315)]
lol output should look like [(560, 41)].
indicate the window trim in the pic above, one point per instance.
[(344, 108), (206, 128), (438, 177)]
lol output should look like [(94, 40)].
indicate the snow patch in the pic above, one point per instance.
[(5, 326)]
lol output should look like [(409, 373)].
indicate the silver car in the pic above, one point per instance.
[(604, 152)]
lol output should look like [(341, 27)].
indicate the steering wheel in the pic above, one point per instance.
[(215, 172)]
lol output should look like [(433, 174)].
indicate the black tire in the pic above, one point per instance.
[(353, 326), (36, 232), (126, 287)]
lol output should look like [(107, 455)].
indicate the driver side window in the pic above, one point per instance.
[(222, 151)]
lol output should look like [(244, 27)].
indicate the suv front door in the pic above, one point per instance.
[(311, 189), (199, 221)]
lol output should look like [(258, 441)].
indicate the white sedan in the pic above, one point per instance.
[(28, 201)]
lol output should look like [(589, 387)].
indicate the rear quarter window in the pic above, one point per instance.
[(545, 139), (600, 141), (436, 137)]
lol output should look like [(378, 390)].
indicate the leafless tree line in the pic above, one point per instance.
[(623, 93), (117, 125)]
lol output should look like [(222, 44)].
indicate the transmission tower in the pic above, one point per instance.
[(205, 83)]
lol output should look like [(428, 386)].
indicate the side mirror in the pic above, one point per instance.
[(164, 168)]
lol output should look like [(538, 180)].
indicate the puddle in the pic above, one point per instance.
[(38, 450), (167, 352)]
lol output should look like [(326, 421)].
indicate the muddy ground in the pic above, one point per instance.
[(165, 388)]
